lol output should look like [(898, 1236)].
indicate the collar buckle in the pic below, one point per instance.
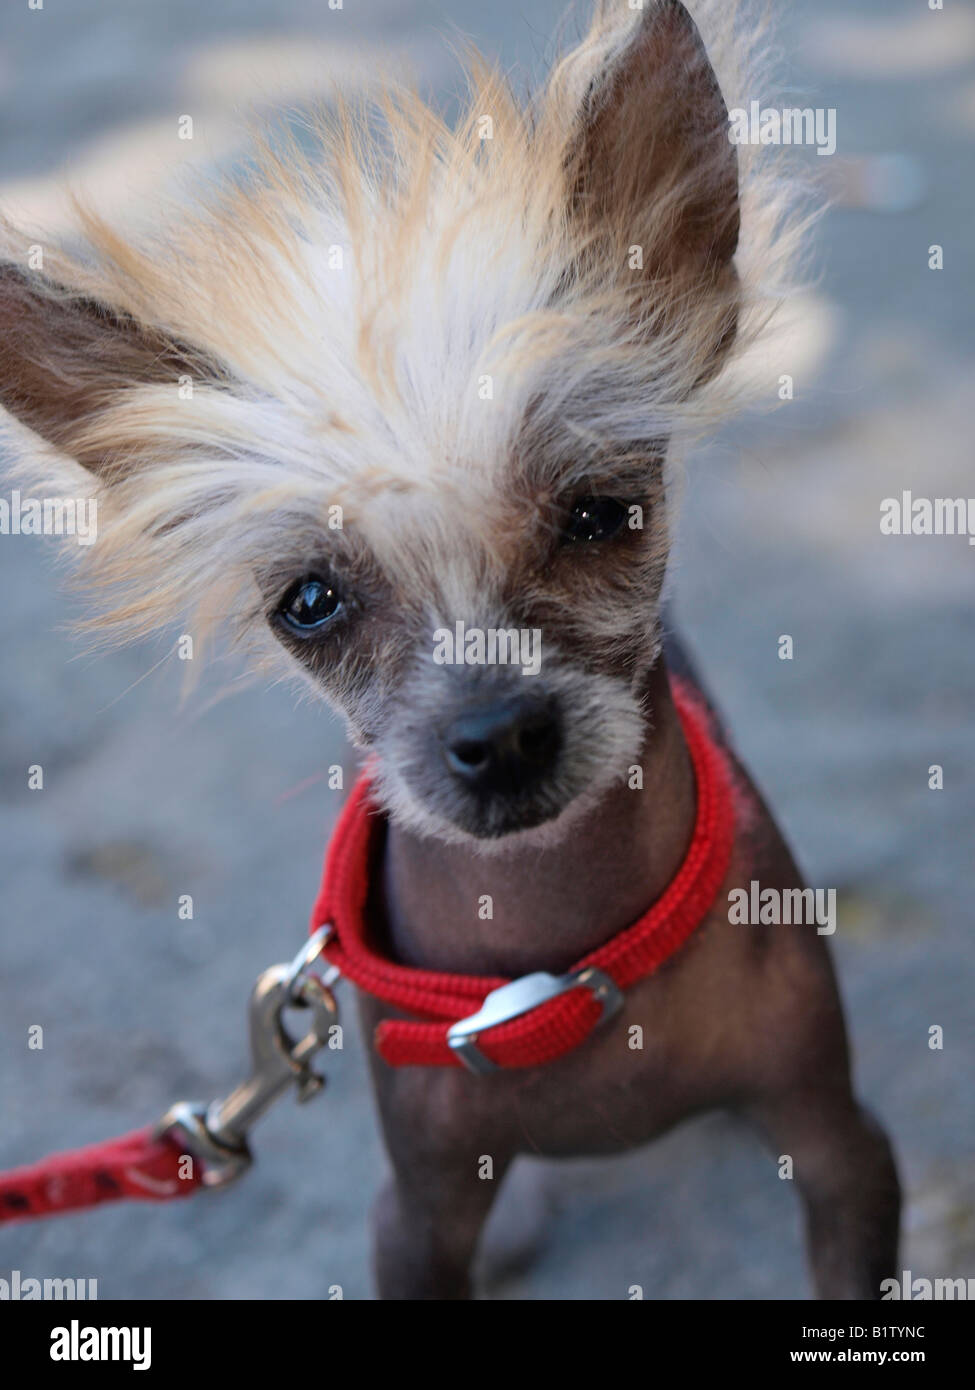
[(520, 997)]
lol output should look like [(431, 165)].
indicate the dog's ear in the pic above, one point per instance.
[(66, 358), (651, 163)]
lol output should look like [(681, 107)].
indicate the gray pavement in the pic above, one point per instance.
[(148, 796)]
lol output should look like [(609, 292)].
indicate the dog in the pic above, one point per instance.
[(421, 376)]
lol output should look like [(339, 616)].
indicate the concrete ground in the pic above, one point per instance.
[(147, 796)]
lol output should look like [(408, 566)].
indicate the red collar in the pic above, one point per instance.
[(485, 1022)]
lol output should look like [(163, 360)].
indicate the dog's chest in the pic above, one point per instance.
[(674, 1049)]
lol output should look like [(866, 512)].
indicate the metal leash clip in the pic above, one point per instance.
[(217, 1134)]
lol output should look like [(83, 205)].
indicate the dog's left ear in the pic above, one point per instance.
[(651, 164)]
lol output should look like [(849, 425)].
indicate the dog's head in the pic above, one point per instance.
[(404, 403)]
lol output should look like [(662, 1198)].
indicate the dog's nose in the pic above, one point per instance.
[(503, 745)]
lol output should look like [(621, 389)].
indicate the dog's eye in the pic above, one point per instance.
[(310, 603), (594, 519)]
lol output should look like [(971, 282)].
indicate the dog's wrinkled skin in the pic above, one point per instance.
[(511, 262)]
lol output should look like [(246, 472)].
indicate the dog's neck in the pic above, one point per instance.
[(549, 906)]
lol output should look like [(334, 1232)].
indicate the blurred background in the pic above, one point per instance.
[(147, 796)]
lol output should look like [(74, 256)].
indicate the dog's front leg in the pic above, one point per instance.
[(427, 1222), (844, 1168)]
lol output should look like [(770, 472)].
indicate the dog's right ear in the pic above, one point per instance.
[(65, 359), (650, 166)]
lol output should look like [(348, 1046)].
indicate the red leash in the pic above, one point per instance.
[(134, 1165), (193, 1145), (540, 1017)]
